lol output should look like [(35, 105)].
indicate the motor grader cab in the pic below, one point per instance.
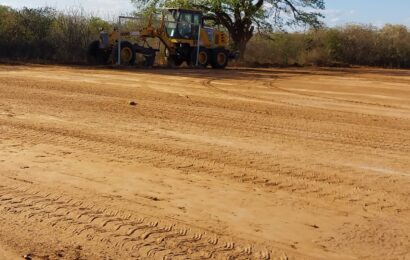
[(193, 42), (182, 24), (183, 33)]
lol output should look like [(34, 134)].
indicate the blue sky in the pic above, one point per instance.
[(338, 12), (377, 12)]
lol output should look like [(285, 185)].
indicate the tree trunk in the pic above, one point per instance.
[(241, 47), (240, 41), (240, 28)]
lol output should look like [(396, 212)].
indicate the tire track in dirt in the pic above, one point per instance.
[(172, 108), (208, 83), (272, 85), (141, 236), (262, 170), (263, 125), (201, 163), (331, 136), (300, 158)]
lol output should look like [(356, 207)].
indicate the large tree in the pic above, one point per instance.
[(244, 18)]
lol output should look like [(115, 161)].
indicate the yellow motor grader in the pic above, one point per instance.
[(181, 31)]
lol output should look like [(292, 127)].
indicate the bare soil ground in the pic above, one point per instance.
[(238, 164)]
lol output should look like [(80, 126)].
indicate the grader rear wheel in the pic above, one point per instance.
[(219, 59), (127, 53)]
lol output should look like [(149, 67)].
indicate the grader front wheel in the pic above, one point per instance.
[(97, 56), (173, 61), (202, 56)]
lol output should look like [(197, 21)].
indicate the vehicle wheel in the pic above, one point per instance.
[(173, 61), (219, 59), (127, 53), (95, 55), (149, 60), (203, 57)]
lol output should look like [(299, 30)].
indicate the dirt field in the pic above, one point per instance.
[(239, 164)]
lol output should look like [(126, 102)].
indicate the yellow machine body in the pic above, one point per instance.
[(181, 31)]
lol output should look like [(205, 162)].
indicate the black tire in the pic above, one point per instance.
[(203, 57), (149, 60), (220, 58), (174, 61), (127, 49), (95, 55)]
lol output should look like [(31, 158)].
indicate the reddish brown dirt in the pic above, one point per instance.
[(246, 163)]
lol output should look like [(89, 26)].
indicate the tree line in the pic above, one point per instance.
[(48, 35), (364, 45), (44, 34)]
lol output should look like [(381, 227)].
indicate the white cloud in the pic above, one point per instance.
[(335, 17)]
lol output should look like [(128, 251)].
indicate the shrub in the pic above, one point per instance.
[(45, 34)]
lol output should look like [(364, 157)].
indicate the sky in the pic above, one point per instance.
[(338, 12), (376, 12)]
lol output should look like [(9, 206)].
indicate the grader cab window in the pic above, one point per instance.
[(185, 26), (182, 24), (171, 23)]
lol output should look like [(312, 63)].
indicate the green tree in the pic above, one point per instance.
[(243, 18)]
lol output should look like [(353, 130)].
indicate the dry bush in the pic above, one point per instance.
[(351, 44), (47, 35)]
